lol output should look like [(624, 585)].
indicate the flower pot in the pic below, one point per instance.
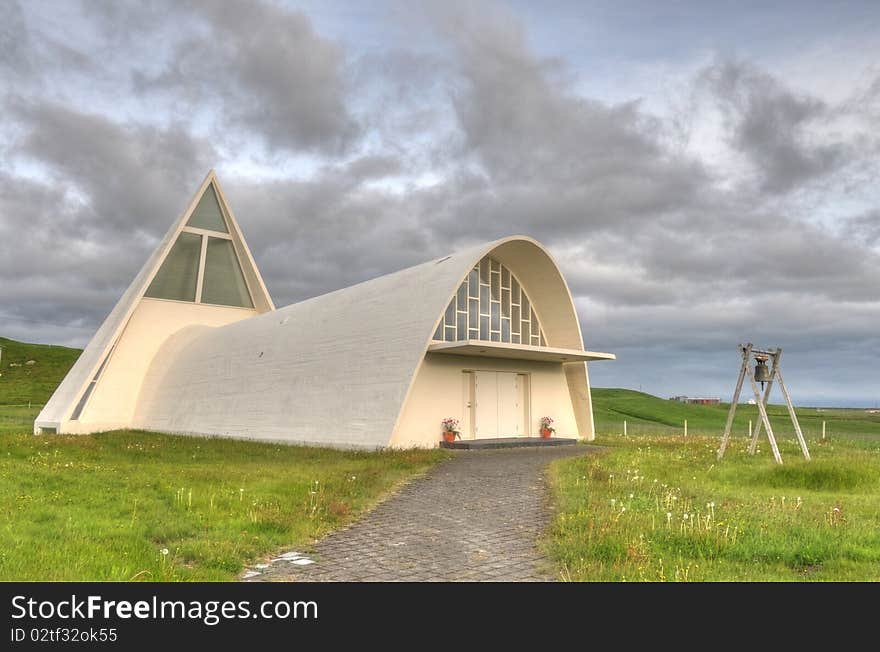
[(449, 437), (545, 433)]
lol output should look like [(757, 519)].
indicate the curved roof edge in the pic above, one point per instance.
[(545, 284), (342, 360)]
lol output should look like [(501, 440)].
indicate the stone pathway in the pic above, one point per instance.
[(475, 517)]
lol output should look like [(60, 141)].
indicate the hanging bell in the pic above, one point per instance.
[(762, 373)]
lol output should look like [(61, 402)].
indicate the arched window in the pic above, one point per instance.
[(491, 305)]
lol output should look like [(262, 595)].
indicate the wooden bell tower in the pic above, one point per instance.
[(761, 375)]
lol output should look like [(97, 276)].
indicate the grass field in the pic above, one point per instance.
[(135, 505), (653, 506), (108, 506), (21, 382), (656, 506)]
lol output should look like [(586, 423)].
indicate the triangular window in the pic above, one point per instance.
[(200, 267), (178, 276), (207, 214), (224, 283)]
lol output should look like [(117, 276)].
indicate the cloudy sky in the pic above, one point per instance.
[(706, 173)]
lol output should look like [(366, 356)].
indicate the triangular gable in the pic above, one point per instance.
[(232, 280)]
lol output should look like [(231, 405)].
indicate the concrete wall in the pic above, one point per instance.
[(581, 399), (332, 370), (441, 390), (112, 403)]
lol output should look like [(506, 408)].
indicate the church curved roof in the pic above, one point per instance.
[(335, 369)]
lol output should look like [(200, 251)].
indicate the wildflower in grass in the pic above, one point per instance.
[(631, 495), (164, 552)]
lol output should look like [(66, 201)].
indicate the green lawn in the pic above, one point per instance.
[(105, 507), (656, 506), (653, 506), (662, 508), (21, 382)]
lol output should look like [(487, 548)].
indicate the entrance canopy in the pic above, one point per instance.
[(516, 351)]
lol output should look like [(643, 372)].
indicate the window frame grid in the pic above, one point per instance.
[(497, 323)]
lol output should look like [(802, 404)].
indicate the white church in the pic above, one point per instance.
[(488, 335)]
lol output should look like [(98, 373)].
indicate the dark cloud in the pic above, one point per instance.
[(554, 155), (770, 124), (57, 280), (14, 50), (131, 176), (28, 56), (82, 230), (317, 236), (864, 228), (264, 68)]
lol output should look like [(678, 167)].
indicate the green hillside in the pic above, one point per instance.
[(22, 382), (647, 414)]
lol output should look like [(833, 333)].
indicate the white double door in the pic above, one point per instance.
[(499, 404)]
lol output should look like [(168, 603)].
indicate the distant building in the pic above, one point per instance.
[(696, 400)]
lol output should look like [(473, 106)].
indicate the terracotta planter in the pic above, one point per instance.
[(545, 433), (449, 437)]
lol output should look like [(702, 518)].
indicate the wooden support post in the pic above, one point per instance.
[(762, 402), (624, 427), (764, 416), (823, 430), (725, 438), (685, 427), (793, 414), (753, 445)]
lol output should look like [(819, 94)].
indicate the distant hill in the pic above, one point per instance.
[(612, 406), (645, 413), (31, 372)]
